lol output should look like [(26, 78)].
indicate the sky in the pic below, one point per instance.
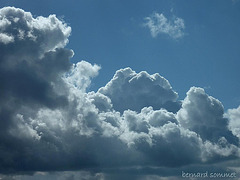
[(119, 89)]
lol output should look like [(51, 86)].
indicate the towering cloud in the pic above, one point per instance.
[(31, 65), (203, 114), (32, 62), (49, 122)]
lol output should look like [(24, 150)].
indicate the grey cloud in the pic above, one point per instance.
[(31, 64), (170, 146), (133, 125), (128, 173), (65, 175), (102, 102)]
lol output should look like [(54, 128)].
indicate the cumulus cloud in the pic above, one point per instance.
[(4, 38), (204, 114), (50, 122), (80, 74), (131, 90), (159, 24), (234, 120), (31, 63)]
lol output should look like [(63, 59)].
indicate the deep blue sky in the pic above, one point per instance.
[(110, 33)]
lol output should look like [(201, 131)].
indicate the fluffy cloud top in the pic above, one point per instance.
[(33, 57), (234, 120), (49, 122), (131, 90), (45, 33), (204, 114), (159, 24)]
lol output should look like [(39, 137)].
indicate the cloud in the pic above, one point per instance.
[(159, 24), (203, 114), (4, 38), (65, 175), (235, 1), (234, 121), (31, 63), (131, 90), (80, 74), (134, 127)]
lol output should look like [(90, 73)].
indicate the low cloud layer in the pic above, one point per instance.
[(159, 24), (49, 122)]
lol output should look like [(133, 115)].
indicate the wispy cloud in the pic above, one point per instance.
[(159, 24), (235, 1)]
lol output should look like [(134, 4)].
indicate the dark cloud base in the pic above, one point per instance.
[(135, 127)]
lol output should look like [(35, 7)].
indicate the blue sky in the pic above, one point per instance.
[(111, 34), (119, 89)]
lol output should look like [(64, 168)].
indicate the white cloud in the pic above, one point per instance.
[(159, 24), (81, 73), (131, 90), (37, 35), (234, 120), (5, 39), (203, 114)]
